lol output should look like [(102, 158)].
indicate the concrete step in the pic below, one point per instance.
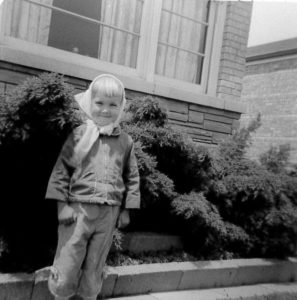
[(142, 279), (276, 291), (166, 277)]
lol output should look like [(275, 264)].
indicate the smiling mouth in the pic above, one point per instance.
[(103, 120)]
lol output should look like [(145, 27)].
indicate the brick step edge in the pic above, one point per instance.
[(153, 278)]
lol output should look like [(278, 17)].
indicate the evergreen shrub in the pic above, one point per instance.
[(276, 158), (35, 119), (256, 197), (224, 204), (169, 164)]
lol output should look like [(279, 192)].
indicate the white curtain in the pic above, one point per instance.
[(27, 21), (117, 46), (184, 33)]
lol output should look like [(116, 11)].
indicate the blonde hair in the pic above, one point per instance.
[(109, 85)]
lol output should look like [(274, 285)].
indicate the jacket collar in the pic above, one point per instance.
[(116, 132)]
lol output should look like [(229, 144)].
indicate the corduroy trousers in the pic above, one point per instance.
[(82, 250)]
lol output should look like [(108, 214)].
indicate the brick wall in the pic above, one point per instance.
[(232, 64), (270, 88)]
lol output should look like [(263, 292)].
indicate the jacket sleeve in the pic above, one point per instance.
[(131, 180), (59, 181)]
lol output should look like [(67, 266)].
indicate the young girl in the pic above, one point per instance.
[(95, 182)]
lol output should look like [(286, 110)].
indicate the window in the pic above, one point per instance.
[(104, 29), (75, 34), (182, 36), (166, 42)]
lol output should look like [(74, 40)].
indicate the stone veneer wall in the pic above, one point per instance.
[(270, 87), (204, 124)]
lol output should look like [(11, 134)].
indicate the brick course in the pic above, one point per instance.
[(232, 64)]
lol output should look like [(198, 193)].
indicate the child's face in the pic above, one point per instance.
[(105, 109)]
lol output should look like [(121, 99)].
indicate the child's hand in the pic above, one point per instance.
[(124, 219), (66, 214)]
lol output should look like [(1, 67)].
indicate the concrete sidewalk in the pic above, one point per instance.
[(277, 291)]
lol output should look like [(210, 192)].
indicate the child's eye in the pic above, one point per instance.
[(99, 102), (113, 105)]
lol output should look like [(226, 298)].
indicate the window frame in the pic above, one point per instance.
[(184, 85), (143, 77)]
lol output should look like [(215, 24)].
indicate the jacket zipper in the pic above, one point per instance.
[(105, 169)]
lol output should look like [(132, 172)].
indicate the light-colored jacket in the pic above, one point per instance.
[(107, 175)]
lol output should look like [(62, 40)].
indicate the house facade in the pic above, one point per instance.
[(270, 88), (189, 54)]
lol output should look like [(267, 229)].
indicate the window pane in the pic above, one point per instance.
[(28, 21), (182, 36), (117, 46), (70, 33), (104, 29)]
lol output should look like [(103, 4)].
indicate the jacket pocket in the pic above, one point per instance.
[(84, 185)]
